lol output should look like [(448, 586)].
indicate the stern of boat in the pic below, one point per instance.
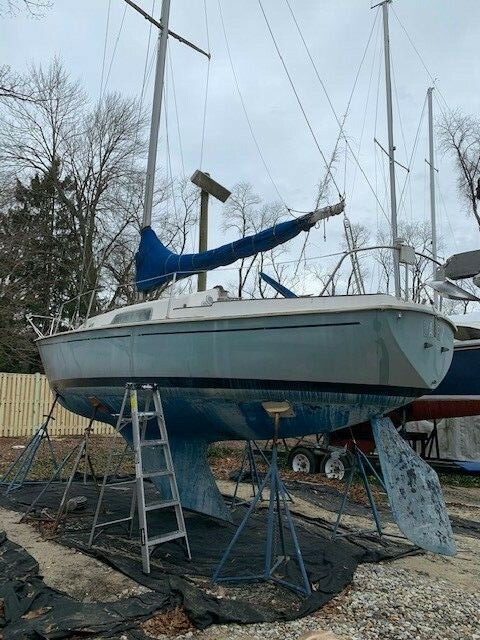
[(426, 341)]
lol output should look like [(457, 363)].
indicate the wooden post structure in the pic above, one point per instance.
[(203, 236), (208, 187)]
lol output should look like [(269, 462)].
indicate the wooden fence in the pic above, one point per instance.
[(25, 399)]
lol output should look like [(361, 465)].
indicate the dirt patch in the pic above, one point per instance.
[(462, 570), (171, 623), (67, 570)]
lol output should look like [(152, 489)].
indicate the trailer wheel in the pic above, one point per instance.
[(302, 460), (336, 466)]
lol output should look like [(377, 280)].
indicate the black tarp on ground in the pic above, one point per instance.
[(329, 498), (31, 609), (175, 580)]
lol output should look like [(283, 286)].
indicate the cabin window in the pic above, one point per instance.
[(139, 315)]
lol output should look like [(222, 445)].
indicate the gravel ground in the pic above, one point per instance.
[(383, 603)]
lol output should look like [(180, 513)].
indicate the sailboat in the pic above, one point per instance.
[(458, 395), (216, 359)]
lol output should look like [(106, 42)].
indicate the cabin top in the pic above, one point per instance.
[(216, 304)]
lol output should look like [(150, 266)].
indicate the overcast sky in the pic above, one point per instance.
[(445, 33)]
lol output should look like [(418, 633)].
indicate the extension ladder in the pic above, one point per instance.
[(139, 421)]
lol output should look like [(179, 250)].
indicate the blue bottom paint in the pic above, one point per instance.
[(197, 417)]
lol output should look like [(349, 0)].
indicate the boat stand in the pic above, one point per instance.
[(80, 451), (359, 462), (248, 468), (21, 466), (279, 517)]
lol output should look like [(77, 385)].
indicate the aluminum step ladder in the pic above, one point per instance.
[(139, 421)]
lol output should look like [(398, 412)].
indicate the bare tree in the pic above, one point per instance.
[(419, 236), (458, 307), (13, 86), (272, 263), (175, 215), (460, 136), (92, 154), (34, 8), (360, 237), (246, 215), (323, 276)]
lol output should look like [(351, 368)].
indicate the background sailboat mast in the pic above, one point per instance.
[(433, 217), (391, 148), (156, 113)]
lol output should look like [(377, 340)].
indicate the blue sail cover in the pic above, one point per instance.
[(156, 265)]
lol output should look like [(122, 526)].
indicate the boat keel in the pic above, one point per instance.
[(414, 492), (196, 484)]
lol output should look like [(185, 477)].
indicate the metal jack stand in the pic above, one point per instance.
[(277, 507), (24, 461), (248, 466), (359, 460), (81, 450), (248, 461)]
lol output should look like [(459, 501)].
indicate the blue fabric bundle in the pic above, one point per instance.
[(156, 265)]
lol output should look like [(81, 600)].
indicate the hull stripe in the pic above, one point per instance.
[(295, 326), (211, 330), (231, 383)]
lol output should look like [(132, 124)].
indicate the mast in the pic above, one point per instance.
[(156, 113), (433, 217), (391, 149)]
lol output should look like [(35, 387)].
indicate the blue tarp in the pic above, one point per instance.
[(156, 264)]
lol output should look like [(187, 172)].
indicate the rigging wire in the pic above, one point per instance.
[(414, 150), (146, 74), (86, 267), (445, 213), (169, 170), (147, 55), (302, 109), (375, 150), (404, 29), (366, 107), (177, 118), (339, 123), (426, 189), (115, 46), (103, 84), (107, 28), (397, 103), (245, 112), (407, 181), (207, 82), (378, 152)]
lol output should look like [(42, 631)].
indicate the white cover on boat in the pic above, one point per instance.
[(458, 438)]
